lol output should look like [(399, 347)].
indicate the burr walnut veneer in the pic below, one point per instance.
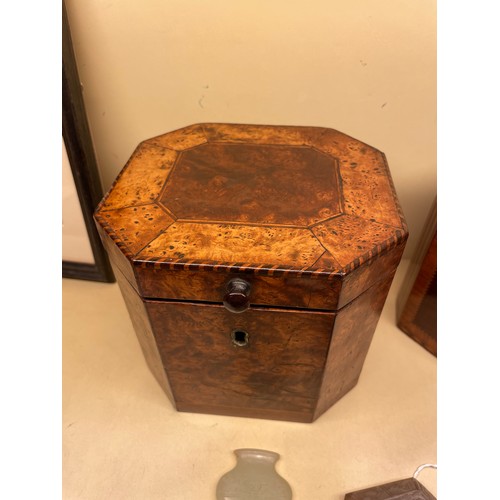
[(255, 262)]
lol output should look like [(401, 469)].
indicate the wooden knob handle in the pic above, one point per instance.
[(237, 297)]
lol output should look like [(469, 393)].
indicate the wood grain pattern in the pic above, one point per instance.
[(296, 186), (297, 363), (354, 328), (348, 237), (235, 243), (209, 286), (369, 196), (136, 224), (255, 134), (280, 369), (181, 139), (368, 273), (119, 254), (419, 316), (405, 489), (307, 216), (141, 180), (284, 291), (143, 329), (263, 176)]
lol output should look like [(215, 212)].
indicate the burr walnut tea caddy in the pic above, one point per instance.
[(254, 262)]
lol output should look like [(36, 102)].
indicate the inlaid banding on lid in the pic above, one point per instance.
[(256, 199)]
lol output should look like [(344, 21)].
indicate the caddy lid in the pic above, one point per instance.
[(253, 198)]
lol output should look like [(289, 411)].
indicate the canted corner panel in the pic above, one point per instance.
[(136, 226), (142, 179), (181, 139), (353, 331), (366, 180), (229, 243), (327, 263), (340, 145), (349, 238), (370, 195), (258, 184), (142, 326), (119, 255), (255, 134)]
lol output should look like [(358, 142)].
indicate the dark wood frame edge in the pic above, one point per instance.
[(78, 142), (420, 273), (407, 323)]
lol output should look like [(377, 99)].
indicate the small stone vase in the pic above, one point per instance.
[(253, 478)]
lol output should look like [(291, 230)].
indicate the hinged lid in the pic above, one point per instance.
[(269, 200)]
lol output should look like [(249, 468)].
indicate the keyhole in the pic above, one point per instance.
[(239, 338)]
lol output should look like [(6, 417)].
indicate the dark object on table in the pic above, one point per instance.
[(254, 261), (418, 298), (405, 489)]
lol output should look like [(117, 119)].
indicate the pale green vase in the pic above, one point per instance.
[(253, 478)]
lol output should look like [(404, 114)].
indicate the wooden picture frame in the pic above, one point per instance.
[(78, 142), (417, 302)]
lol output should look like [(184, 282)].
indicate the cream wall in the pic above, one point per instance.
[(366, 68)]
